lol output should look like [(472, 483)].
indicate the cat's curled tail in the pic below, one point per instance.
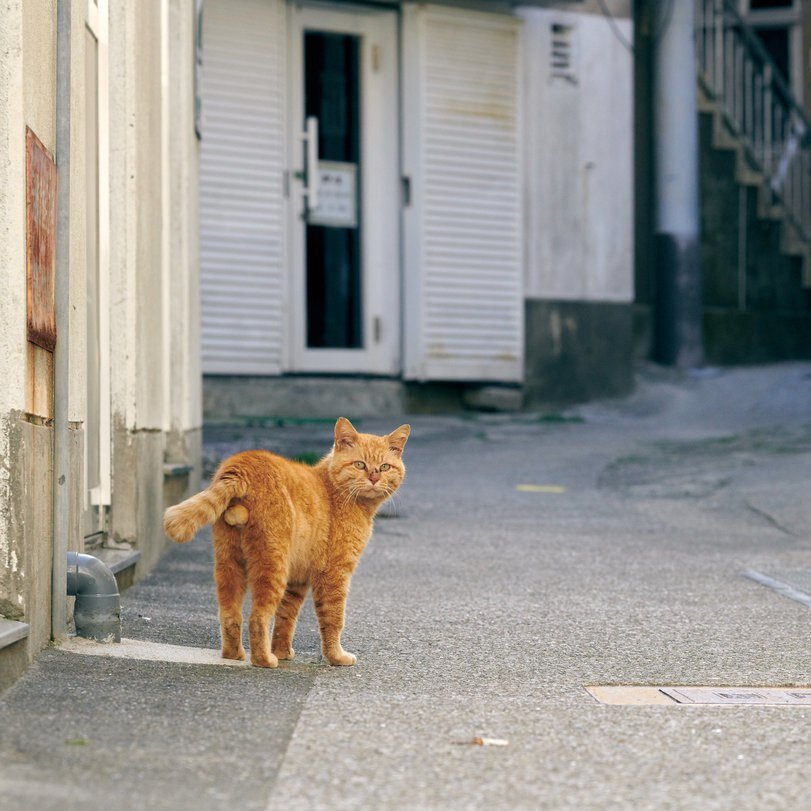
[(182, 521)]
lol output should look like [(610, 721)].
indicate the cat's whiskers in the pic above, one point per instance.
[(395, 504), (351, 494), (348, 496)]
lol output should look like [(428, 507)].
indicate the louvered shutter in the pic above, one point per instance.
[(242, 218), (463, 275)]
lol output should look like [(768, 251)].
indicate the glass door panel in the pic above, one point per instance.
[(333, 249)]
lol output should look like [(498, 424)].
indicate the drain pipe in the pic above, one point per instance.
[(62, 481), (98, 607)]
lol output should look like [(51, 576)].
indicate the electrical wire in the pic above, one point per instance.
[(612, 21), (665, 18)]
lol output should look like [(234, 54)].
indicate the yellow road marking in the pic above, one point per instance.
[(541, 488)]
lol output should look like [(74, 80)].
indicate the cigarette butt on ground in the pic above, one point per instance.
[(478, 741)]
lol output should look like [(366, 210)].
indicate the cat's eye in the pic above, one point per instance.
[(385, 466), (360, 465)]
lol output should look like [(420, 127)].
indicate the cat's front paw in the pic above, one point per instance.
[(284, 653), (342, 659), (264, 660), (230, 653)]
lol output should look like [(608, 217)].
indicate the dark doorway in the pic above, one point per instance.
[(333, 252)]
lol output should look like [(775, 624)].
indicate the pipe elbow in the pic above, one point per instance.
[(97, 613), (87, 575)]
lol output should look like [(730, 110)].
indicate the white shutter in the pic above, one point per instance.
[(463, 276), (242, 217)]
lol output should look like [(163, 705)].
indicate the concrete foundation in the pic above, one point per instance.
[(227, 398), (25, 577), (576, 351), (37, 456)]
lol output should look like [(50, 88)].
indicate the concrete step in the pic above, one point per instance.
[(12, 631), (121, 563)]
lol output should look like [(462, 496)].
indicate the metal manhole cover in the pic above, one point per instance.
[(737, 695), (629, 695)]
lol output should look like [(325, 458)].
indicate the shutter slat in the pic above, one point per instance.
[(242, 212)]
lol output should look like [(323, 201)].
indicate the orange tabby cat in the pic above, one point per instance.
[(282, 527)]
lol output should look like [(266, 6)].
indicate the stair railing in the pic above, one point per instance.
[(738, 73)]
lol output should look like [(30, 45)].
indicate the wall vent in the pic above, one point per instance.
[(562, 52)]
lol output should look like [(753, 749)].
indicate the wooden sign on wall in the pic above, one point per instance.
[(40, 241)]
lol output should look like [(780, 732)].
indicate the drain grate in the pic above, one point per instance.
[(670, 694)]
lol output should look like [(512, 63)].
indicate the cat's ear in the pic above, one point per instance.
[(345, 434), (398, 437)]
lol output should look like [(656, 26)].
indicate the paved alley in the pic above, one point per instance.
[(526, 557)]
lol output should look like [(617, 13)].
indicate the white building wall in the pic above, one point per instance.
[(155, 388), (183, 407), (578, 158), (123, 216), (12, 225)]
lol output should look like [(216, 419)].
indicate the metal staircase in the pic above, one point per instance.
[(756, 116)]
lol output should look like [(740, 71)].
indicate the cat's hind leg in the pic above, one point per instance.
[(267, 579), (230, 576), (286, 617)]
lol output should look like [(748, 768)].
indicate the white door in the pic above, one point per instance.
[(463, 227), (344, 190)]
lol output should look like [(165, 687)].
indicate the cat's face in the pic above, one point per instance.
[(367, 466)]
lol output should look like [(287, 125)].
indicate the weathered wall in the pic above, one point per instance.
[(577, 351), (12, 302), (155, 381), (578, 158), (578, 205), (39, 69), (153, 227), (183, 407), (28, 99)]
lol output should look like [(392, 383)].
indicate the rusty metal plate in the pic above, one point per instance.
[(40, 241), (739, 695)]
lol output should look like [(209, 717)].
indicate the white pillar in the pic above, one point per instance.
[(677, 310)]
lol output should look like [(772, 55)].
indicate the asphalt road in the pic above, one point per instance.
[(525, 558)]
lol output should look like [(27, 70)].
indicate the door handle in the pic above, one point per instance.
[(310, 138)]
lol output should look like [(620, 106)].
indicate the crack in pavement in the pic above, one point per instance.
[(769, 518)]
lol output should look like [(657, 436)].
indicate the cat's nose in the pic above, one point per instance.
[(374, 478)]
